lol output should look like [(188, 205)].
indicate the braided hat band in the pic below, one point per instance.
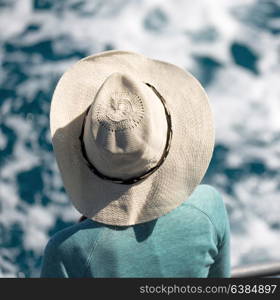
[(145, 174)]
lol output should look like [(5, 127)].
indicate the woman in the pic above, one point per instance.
[(133, 138)]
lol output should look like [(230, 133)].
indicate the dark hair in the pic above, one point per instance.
[(82, 218)]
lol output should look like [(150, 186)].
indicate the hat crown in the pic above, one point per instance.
[(82, 145), (126, 127), (118, 103)]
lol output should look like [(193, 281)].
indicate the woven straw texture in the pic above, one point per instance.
[(191, 145)]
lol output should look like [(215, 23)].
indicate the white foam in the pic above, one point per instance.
[(245, 105)]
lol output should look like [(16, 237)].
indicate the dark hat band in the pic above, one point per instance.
[(145, 174)]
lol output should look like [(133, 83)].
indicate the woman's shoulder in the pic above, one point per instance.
[(206, 197), (71, 236), (209, 201)]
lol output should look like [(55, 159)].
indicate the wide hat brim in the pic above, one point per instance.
[(185, 165)]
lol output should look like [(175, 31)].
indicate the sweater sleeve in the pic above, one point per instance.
[(52, 266), (222, 265)]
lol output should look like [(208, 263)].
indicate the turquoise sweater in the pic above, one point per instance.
[(192, 240)]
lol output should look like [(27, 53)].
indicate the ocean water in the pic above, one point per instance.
[(232, 47)]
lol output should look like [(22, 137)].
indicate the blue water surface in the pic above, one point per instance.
[(232, 47)]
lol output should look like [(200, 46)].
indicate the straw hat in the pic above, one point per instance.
[(132, 136)]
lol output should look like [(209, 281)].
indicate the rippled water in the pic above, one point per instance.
[(232, 47)]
